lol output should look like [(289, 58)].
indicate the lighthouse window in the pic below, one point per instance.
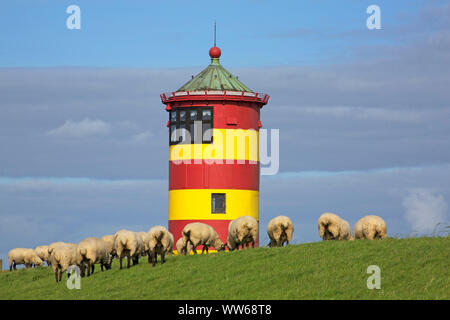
[(182, 115), (173, 136), (218, 202), (207, 114), (193, 115), (194, 125), (173, 116), (206, 132)]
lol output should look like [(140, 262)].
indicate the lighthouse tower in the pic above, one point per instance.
[(214, 122)]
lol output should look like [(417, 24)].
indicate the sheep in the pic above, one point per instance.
[(333, 227), (280, 230), (93, 250), (159, 243), (109, 240), (62, 257), (241, 231), (370, 227), (181, 250), (25, 256), (55, 244), (42, 252), (169, 249), (145, 238), (128, 244), (197, 233)]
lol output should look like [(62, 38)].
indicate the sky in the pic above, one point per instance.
[(364, 115)]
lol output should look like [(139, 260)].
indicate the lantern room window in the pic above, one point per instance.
[(191, 125), (218, 201)]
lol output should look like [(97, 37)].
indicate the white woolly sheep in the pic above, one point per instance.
[(198, 233), (241, 231), (280, 230), (145, 238), (159, 242), (109, 240), (181, 250), (42, 252), (169, 249), (91, 251), (62, 257), (55, 244), (25, 256), (128, 244), (333, 227), (370, 227)]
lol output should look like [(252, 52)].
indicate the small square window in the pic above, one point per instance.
[(207, 132), (218, 203), (207, 114), (193, 115), (183, 115), (173, 116)]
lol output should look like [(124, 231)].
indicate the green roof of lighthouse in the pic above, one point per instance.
[(214, 77)]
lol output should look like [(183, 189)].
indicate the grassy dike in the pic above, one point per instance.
[(416, 268)]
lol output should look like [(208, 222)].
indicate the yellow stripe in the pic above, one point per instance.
[(199, 251), (236, 144), (195, 204)]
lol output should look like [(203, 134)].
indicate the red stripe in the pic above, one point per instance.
[(232, 116), (221, 227), (214, 176)]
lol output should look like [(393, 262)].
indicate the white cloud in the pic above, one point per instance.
[(84, 128), (142, 137), (424, 209)]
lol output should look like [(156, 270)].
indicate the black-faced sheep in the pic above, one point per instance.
[(91, 251), (25, 256), (159, 243), (333, 227), (242, 231), (128, 244), (370, 227), (198, 233), (280, 230)]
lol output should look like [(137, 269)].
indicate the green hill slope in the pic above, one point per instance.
[(410, 269)]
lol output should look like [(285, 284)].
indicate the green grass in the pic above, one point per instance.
[(410, 269)]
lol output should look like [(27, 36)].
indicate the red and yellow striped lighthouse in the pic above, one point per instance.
[(214, 122)]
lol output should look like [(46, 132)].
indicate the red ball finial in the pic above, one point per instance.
[(215, 52)]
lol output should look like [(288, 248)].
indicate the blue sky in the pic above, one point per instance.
[(364, 116), (178, 33)]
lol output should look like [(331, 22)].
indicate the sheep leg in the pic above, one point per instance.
[(193, 247), (149, 256), (93, 266), (120, 259), (162, 257), (60, 274), (89, 268), (154, 259), (56, 275), (128, 261)]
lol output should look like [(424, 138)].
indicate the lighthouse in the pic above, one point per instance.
[(214, 169)]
